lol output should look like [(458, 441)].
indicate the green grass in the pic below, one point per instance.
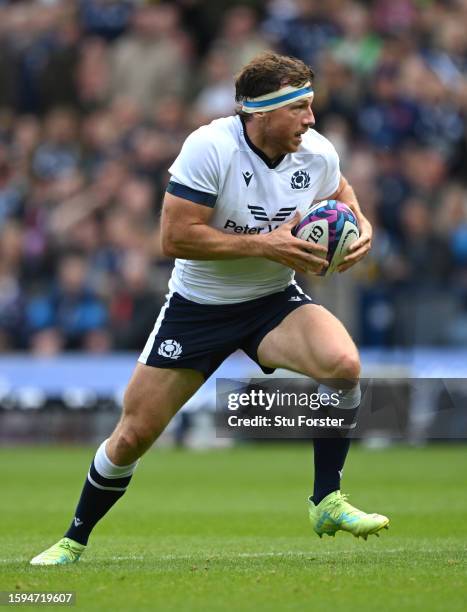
[(228, 530)]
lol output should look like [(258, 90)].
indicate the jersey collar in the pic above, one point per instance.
[(259, 153)]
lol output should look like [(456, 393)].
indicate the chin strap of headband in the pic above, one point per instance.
[(277, 99)]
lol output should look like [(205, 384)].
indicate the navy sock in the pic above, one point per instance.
[(104, 486), (330, 451), (93, 504), (329, 455)]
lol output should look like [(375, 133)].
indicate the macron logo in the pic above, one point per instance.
[(77, 521), (247, 176)]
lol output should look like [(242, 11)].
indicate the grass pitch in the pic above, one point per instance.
[(228, 530)]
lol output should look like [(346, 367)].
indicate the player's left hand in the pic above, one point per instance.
[(360, 247)]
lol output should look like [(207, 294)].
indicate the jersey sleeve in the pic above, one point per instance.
[(195, 174), (332, 173)]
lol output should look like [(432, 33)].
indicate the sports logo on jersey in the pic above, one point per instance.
[(300, 180), (170, 348), (247, 176), (259, 213)]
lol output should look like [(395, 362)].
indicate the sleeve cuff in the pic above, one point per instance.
[(187, 193)]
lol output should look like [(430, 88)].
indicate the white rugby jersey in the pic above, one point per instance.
[(218, 166)]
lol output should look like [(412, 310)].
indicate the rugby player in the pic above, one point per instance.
[(237, 188)]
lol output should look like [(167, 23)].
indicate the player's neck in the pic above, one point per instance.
[(257, 137)]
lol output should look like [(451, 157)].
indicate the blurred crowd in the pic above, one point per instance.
[(97, 96)]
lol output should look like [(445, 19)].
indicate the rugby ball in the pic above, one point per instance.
[(331, 224)]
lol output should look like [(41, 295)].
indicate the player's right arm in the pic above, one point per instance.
[(186, 234)]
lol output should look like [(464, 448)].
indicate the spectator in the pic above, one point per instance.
[(105, 18), (12, 321), (239, 40), (388, 118), (425, 254), (309, 31), (217, 97), (12, 190), (58, 155), (57, 85), (357, 46), (71, 311), (93, 74), (135, 304), (149, 62)]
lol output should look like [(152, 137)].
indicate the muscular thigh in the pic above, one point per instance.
[(154, 395), (311, 341)]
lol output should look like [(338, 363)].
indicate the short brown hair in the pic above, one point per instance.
[(269, 72)]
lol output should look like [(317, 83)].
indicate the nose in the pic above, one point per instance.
[(309, 118)]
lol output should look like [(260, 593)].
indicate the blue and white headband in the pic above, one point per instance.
[(277, 99)]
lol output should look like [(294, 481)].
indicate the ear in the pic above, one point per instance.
[(260, 117)]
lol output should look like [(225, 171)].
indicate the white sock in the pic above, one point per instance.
[(107, 469)]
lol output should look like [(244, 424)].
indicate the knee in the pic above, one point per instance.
[(140, 424), (345, 366), (131, 440), (348, 366)]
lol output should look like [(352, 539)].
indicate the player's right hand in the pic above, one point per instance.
[(281, 246)]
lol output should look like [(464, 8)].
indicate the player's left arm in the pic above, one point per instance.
[(360, 247)]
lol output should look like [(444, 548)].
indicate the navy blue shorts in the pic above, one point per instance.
[(202, 336)]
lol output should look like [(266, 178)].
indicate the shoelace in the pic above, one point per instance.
[(342, 498), (69, 547)]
